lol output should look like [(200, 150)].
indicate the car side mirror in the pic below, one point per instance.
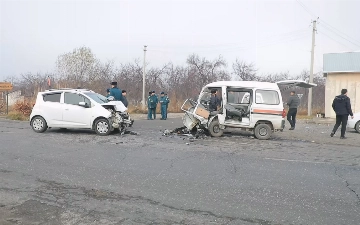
[(83, 104)]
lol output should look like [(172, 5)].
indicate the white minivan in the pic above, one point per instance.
[(248, 105)]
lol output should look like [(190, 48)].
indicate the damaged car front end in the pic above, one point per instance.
[(119, 117)]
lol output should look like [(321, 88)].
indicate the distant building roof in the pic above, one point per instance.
[(341, 62)]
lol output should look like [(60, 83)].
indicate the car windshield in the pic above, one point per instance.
[(97, 97)]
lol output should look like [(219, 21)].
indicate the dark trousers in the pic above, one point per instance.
[(291, 116), (341, 119)]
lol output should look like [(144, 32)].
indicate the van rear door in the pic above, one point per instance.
[(295, 83)]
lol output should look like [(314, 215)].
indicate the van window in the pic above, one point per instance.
[(53, 97), (74, 99), (237, 96), (267, 97)]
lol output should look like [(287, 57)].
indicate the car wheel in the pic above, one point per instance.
[(214, 128), (262, 131), (102, 127), (38, 124), (357, 126)]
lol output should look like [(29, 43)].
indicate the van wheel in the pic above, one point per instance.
[(262, 131), (102, 127), (357, 126), (214, 128), (38, 124)]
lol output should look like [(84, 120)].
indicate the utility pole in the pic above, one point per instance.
[(144, 75), (311, 79)]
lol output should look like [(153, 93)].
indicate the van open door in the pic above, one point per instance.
[(295, 83)]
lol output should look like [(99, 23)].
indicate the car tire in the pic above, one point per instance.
[(102, 127), (214, 128), (357, 126), (38, 124), (262, 131)]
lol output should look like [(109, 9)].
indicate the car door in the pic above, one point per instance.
[(51, 109), (74, 115), (241, 99)]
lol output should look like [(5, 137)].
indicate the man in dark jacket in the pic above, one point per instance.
[(293, 103), (164, 101), (148, 105), (342, 108), (124, 100), (213, 101), (115, 92), (152, 102)]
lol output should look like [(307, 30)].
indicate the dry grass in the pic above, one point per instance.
[(13, 115), (21, 110)]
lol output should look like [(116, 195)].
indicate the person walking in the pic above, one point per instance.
[(152, 102), (163, 105), (293, 103), (115, 92), (124, 100), (342, 107)]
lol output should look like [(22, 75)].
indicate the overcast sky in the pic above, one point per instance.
[(274, 35)]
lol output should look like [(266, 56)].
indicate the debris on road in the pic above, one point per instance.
[(128, 132), (183, 131)]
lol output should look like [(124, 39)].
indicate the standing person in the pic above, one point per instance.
[(342, 108), (213, 101), (219, 99), (148, 105), (157, 101), (124, 100), (167, 104), (163, 105), (293, 103), (115, 92), (152, 102)]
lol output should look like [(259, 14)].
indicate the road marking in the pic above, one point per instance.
[(295, 160)]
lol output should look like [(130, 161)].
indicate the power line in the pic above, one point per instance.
[(332, 27), (305, 8), (333, 39), (343, 37)]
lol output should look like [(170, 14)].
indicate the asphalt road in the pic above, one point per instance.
[(77, 177)]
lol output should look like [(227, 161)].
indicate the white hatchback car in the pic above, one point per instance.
[(78, 108), (354, 123)]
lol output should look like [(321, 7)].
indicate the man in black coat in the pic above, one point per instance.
[(214, 101), (342, 108)]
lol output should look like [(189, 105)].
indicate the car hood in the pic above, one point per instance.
[(118, 105)]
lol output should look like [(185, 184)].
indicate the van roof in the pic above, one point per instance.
[(246, 84)]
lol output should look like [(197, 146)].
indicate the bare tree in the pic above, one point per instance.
[(244, 71), (203, 71), (77, 67)]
